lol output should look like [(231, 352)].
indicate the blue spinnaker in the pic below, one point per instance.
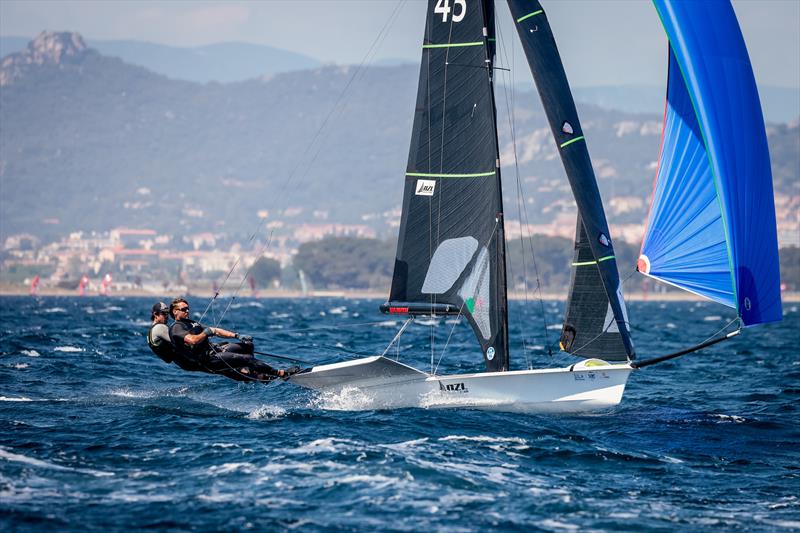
[(711, 228)]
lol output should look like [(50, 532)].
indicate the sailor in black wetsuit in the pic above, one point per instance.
[(234, 360)]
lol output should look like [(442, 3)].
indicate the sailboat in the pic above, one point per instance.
[(711, 228)]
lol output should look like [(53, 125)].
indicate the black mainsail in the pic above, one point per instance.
[(451, 247), (596, 322)]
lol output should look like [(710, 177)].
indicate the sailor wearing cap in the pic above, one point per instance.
[(158, 336)]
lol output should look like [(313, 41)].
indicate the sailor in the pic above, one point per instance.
[(234, 360), (160, 342), (158, 335)]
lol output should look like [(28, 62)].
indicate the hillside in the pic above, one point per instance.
[(89, 142)]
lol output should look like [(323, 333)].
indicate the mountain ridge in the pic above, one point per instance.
[(92, 142)]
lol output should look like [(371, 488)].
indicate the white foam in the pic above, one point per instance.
[(712, 318), (224, 445), (20, 366), (347, 399), (460, 499), (267, 412), (485, 438), (128, 393), (68, 349), (338, 310), (227, 468), (730, 418), (30, 353), (375, 481), (54, 310), (387, 324), (549, 523), (18, 458), (788, 524), (129, 497), (329, 444), (406, 444), (11, 399)]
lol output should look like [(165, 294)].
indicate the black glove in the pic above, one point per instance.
[(245, 338)]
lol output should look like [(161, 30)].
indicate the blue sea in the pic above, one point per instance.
[(97, 434)]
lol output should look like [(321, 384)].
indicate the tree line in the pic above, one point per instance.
[(356, 263)]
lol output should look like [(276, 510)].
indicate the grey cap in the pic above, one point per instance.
[(160, 307)]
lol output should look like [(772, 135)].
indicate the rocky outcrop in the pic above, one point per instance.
[(48, 48)]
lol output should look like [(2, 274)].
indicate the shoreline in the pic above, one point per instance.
[(6, 291)]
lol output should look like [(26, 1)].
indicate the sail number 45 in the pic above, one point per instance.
[(459, 9)]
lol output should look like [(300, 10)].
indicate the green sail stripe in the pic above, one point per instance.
[(586, 263), (576, 139), (425, 175), (452, 45), (529, 15)]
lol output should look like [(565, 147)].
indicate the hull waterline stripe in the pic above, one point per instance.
[(586, 263), (576, 139), (452, 45), (529, 15), (425, 175)]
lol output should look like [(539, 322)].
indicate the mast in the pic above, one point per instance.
[(596, 322), (502, 284), (451, 250)]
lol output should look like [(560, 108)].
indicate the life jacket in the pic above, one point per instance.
[(164, 350)]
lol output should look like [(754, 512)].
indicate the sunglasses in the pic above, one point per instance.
[(182, 309)]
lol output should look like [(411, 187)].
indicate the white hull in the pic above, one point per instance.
[(381, 383)]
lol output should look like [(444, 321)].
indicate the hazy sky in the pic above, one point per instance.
[(602, 42)]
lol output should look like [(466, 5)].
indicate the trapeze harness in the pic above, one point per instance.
[(164, 350)]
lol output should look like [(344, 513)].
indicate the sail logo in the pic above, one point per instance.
[(425, 187), (453, 387)]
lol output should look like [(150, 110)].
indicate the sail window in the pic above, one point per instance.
[(449, 261), (475, 293), (566, 127)]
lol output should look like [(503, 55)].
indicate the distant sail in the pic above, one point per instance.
[(451, 246), (711, 228), (596, 322)]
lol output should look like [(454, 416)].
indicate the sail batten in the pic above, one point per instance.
[(711, 228)]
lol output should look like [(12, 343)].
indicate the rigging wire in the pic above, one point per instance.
[(337, 107), (522, 208)]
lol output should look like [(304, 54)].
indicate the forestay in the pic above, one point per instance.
[(711, 228), (451, 247)]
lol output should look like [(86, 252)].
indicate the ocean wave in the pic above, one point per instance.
[(13, 399), (68, 349), (18, 458), (30, 353)]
